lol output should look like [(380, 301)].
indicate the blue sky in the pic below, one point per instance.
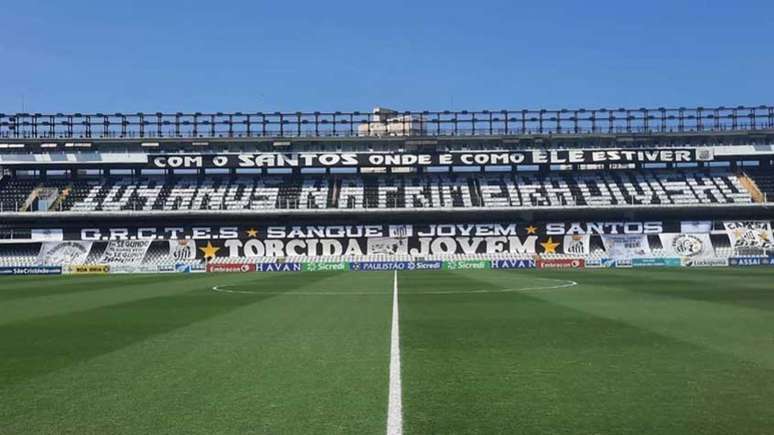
[(93, 56)]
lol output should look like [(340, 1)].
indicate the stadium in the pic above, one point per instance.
[(491, 271)]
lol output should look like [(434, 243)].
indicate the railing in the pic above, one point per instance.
[(362, 124)]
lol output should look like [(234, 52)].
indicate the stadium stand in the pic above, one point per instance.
[(684, 188), (704, 175), (764, 181)]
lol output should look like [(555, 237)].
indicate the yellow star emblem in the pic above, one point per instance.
[(532, 229), (549, 247), (252, 232), (209, 250)]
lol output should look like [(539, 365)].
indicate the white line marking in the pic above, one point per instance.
[(564, 284), (395, 404)]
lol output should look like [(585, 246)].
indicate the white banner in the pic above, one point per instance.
[(59, 253), (133, 268), (749, 234), (125, 252), (46, 235), (576, 244), (182, 250), (698, 245), (696, 226), (387, 246), (626, 246)]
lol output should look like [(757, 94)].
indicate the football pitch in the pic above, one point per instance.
[(576, 352)]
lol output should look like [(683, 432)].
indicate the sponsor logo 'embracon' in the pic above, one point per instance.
[(231, 268)]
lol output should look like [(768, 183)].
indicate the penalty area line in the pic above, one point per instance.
[(395, 402)]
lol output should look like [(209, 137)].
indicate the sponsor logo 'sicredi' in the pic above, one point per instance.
[(467, 264), (325, 267)]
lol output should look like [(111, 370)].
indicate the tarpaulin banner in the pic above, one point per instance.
[(46, 235), (133, 268), (626, 245), (696, 245), (60, 253), (695, 227), (749, 234), (125, 252), (182, 250), (404, 159), (576, 244)]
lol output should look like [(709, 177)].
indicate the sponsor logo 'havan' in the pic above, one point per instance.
[(513, 264), (279, 267)]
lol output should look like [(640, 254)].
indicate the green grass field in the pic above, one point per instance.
[(623, 351)]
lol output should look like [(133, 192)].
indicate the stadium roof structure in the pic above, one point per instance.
[(310, 125)]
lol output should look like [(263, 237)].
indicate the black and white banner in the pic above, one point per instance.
[(182, 250), (576, 244), (479, 158), (58, 253), (749, 234), (626, 246), (696, 245), (125, 252)]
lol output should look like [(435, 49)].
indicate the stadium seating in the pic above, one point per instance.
[(19, 254), (504, 190), (765, 182)]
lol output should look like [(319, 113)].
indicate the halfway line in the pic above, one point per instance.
[(395, 405)]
